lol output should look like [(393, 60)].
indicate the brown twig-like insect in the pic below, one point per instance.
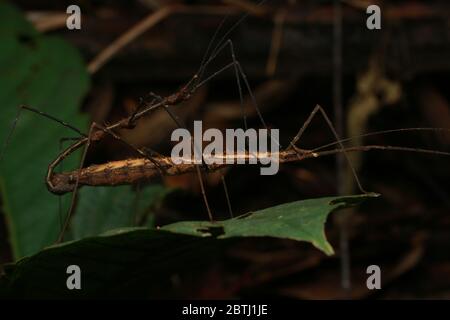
[(151, 164), (97, 131), (131, 171)]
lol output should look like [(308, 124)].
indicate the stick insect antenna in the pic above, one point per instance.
[(310, 154), (375, 133), (234, 26), (206, 60)]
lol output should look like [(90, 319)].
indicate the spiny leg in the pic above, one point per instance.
[(316, 109)]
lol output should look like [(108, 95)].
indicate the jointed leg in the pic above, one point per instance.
[(225, 188), (239, 74), (229, 44), (77, 182), (148, 154), (38, 112), (132, 119), (95, 126), (177, 121), (318, 108), (197, 167), (61, 169)]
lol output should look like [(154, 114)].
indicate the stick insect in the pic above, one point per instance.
[(150, 163)]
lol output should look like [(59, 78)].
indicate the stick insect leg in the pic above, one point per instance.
[(47, 116), (239, 73), (61, 169), (316, 109), (146, 153), (77, 182), (227, 196), (177, 121), (40, 113), (229, 44), (197, 167), (95, 126), (132, 118), (239, 70)]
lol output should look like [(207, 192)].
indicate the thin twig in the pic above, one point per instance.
[(47, 21), (142, 26), (277, 37), (149, 22)]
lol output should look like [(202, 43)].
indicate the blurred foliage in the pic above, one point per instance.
[(48, 74), (125, 262)]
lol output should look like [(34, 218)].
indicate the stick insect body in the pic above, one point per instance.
[(98, 132), (150, 164)]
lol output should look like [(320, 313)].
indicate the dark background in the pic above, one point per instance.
[(405, 232)]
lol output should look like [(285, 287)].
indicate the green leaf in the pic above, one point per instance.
[(105, 208), (48, 74), (138, 262), (300, 221)]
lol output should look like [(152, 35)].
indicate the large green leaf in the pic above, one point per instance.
[(300, 221), (137, 262), (48, 74)]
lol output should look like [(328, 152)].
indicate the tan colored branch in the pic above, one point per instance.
[(146, 24)]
